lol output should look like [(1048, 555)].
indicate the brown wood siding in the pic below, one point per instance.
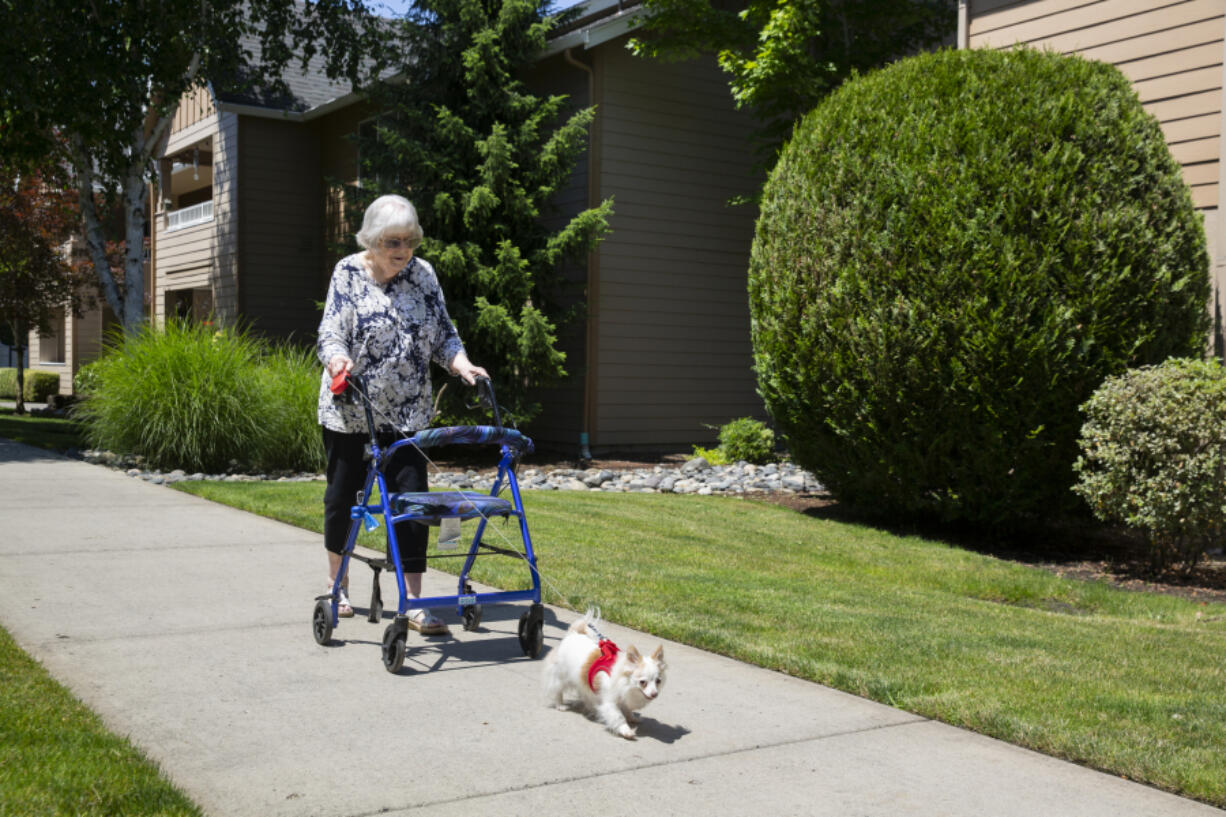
[(196, 105), (1170, 49), (561, 419), (281, 240), (203, 256), (673, 349), (338, 167)]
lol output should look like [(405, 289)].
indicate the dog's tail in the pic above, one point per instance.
[(587, 624)]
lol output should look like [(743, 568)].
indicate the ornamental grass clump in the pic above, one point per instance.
[(202, 399), (182, 397), (952, 254), (1153, 458), (289, 436)]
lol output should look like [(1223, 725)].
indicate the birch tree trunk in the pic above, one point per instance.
[(127, 299)]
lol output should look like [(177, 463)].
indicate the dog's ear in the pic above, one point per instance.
[(633, 656), (658, 655)]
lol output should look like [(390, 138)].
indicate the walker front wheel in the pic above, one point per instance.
[(321, 622)]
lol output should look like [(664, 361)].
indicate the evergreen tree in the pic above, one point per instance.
[(783, 58), (481, 157)]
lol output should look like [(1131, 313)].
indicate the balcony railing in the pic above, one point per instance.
[(189, 216)]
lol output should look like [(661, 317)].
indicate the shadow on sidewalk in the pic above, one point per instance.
[(12, 452)]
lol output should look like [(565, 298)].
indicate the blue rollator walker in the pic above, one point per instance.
[(430, 508)]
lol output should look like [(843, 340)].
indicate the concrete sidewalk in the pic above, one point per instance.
[(187, 626)]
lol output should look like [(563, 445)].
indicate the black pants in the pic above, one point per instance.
[(347, 474)]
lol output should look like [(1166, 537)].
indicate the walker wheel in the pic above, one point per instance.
[(321, 622), (393, 648), (532, 631), (472, 617)]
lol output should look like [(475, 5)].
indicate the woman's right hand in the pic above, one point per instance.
[(338, 364)]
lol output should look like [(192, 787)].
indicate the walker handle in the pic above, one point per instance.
[(485, 392)]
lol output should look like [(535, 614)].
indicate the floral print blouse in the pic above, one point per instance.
[(391, 332)]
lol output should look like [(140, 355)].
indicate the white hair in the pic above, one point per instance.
[(389, 214)]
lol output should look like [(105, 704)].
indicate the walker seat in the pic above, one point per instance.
[(429, 508)]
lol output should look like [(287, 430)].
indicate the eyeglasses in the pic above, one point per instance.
[(397, 243)]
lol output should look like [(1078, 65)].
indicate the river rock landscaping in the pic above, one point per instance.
[(696, 476)]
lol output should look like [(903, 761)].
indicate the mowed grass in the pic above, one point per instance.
[(58, 760), (51, 433), (1130, 683)]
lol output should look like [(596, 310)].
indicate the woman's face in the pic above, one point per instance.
[(390, 254)]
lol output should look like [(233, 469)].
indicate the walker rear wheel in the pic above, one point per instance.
[(393, 648), (472, 617), (321, 622), (532, 631)]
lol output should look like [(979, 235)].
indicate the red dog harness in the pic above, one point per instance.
[(608, 654)]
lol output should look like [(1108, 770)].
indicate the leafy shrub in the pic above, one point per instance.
[(713, 456), (1154, 457), (952, 254), (747, 439), (38, 385), (85, 382), (41, 386)]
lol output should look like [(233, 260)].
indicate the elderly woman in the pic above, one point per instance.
[(385, 319)]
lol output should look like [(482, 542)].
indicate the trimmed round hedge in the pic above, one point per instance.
[(952, 254)]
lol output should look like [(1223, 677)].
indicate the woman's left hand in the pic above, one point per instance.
[(464, 367)]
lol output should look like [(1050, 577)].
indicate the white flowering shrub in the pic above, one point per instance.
[(1153, 457)]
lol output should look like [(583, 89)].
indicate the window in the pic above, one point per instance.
[(194, 305), (52, 346)]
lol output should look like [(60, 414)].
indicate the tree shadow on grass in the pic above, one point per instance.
[(1077, 548)]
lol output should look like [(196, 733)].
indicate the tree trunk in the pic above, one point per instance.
[(21, 377), (135, 199), (95, 239)]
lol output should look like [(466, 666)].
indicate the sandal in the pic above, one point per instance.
[(426, 623), (343, 608)]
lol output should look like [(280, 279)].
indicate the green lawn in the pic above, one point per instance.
[(58, 760), (45, 432), (1130, 683)]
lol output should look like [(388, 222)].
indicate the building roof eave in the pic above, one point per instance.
[(611, 19)]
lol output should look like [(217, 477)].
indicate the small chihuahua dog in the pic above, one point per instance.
[(610, 683)]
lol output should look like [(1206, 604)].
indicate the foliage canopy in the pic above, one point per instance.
[(37, 215), (953, 253), (783, 58), (481, 157), (97, 83)]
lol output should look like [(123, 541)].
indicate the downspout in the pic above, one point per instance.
[(964, 29), (593, 270), (1218, 342)]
